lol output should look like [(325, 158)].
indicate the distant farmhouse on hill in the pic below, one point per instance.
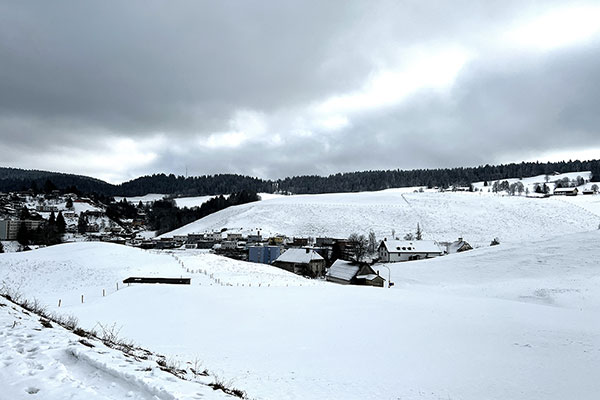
[(405, 250)]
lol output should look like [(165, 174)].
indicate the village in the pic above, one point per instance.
[(351, 260), (29, 220)]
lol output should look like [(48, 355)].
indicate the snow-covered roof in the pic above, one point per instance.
[(344, 270), (566, 190), (368, 277), (411, 246), (455, 246), (300, 256)]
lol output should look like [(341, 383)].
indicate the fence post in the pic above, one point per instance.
[(103, 293), (81, 299), (59, 301)]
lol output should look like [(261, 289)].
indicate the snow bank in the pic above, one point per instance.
[(52, 363)]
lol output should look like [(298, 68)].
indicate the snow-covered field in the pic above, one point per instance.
[(181, 202), (149, 198), (531, 182), (516, 321), (190, 202), (478, 217), (50, 362)]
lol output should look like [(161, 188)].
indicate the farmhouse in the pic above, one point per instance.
[(405, 250), (301, 261), (566, 191), (458, 246), (342, 271), (347, 272), (366, 276)]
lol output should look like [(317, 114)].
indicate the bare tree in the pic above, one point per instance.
[(360, 245), (372, 242)]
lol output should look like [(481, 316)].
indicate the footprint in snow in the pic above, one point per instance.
[(32, 390)]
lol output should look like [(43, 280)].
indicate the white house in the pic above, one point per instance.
[(406, 250)]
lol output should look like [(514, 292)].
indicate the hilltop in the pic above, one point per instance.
[(478, 217), (12, 179)]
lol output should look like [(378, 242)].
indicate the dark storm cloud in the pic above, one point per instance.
[(144, 66), (177, 78)]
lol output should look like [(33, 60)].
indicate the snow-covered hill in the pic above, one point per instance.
[(70, 270), (563, 271), (478, 217), (516, 321)]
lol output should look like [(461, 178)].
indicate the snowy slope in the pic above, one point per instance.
[(52, 363), (190, 202), (531, 182), (562, 271), (236, 273), (446, 216), (149, 198), (509, 322), (70, 270)]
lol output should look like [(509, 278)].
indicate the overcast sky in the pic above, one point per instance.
[(118, 89)]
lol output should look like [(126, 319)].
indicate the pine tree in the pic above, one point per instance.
[(82, 224), (23, 235), (69, 203), (61, 225), (25, 213), (1, 248), (49, 186), (419, 235), (52, 219)]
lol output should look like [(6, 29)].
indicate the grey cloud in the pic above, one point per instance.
[(82, 72)]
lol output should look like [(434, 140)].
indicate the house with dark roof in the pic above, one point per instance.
[(407, 250)]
